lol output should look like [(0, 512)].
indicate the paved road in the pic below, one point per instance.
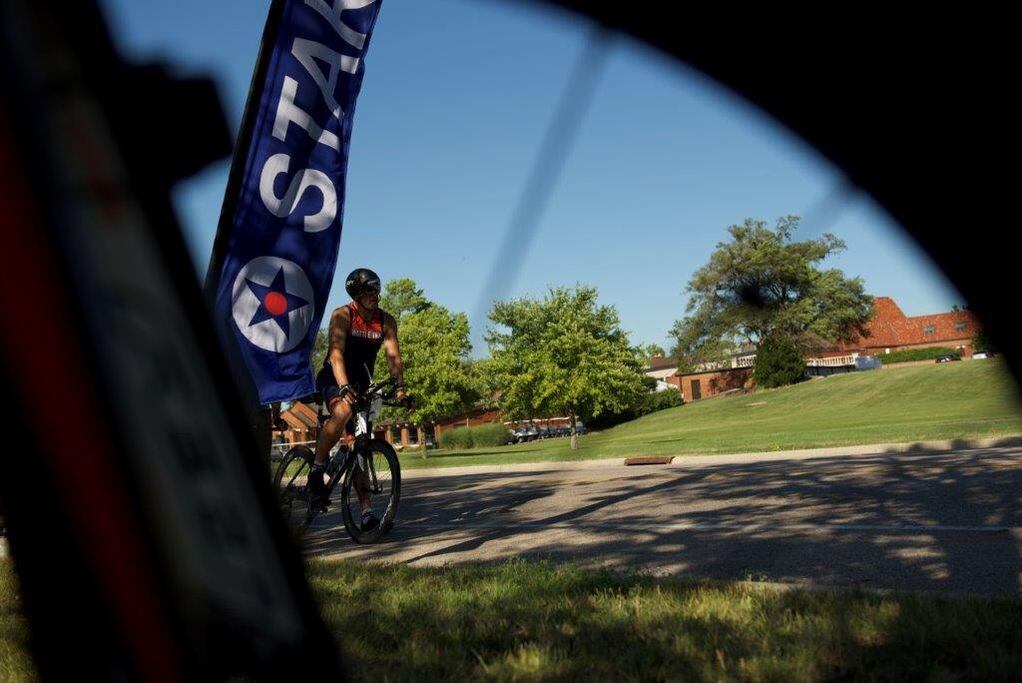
[(934, 522)]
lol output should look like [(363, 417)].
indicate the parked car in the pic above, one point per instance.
[(545, 432), (980, 355), (948, 357), (520, 435)]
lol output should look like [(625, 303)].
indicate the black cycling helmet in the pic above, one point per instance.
[(361, 281)]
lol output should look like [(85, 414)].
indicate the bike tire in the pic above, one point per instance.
[(292, 498), (388, 470)]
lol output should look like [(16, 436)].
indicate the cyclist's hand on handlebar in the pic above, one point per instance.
[(348, 394), (404, 399)]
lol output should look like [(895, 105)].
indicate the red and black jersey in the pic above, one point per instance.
[(365, 337)]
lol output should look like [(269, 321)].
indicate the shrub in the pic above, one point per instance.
[(482, 436), (909, 355), (661, 400), (649, 403), (457, 438), (489, 435), (779, 362), (608, 420), (982, 342)]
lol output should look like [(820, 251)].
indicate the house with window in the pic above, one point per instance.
[(663, 370), (891, 330), (731, 375)]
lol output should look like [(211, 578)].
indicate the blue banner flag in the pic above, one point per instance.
[(276, 249)]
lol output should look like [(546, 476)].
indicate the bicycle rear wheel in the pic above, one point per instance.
[(375, 473), (289, 483)]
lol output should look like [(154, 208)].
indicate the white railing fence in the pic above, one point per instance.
[(835, 362)]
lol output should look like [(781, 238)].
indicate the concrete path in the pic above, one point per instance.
[(949, 522)]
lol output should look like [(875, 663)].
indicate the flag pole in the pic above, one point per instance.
[(259, 417), (241, 147)]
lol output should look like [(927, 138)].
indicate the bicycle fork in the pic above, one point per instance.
[(369, 469)]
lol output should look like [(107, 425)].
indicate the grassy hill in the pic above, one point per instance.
[(941, 401)]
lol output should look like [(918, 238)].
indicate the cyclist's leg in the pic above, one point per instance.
[(376, 499), (329, 434), (363, 487), (333, 429)]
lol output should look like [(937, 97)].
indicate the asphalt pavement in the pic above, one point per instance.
[(948, 522)]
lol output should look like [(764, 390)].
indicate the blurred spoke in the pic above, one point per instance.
[(546, 169)]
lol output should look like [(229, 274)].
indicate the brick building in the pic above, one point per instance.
[(301, 424), (482, 415), (404, 434), (409, 434), (891, 330), (664, 370), (478, 416), (704, 384), (712, 379)]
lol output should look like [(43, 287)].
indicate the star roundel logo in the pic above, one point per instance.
[(272, 303)]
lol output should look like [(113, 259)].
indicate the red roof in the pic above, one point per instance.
[(890, 327)]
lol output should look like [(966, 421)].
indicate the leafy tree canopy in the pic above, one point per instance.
[(434, 348), (319, 349), (563, 354), (762, 284), (647, 351), (402, 296)]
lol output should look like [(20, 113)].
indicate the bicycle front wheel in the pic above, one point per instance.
[(372, 483), (289, 483)]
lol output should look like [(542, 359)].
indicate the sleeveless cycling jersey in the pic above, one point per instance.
[(365, 337)]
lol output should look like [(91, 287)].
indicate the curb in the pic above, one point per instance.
[(688, 460), (916, 447)]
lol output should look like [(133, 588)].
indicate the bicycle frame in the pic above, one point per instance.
[(367, 409)]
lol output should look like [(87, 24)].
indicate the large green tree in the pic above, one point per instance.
[(435, 349), (983, 342), (402, 296), (763, 283), (319, 349), (563, 354), (647, 351)]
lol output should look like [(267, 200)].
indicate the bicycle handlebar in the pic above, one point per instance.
[(384, 390)]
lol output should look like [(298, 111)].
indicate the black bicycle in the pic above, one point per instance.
[(368, 471)]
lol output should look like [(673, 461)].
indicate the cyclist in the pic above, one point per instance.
[(357, 331)]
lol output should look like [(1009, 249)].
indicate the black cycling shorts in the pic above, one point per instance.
[(329, 392)]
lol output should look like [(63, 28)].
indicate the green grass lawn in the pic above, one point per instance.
[(528, 621), (15, 664), (941, 401)]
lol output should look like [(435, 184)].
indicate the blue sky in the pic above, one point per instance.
[(456, 98)]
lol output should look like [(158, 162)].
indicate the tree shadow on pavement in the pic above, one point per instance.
[(932, 522)]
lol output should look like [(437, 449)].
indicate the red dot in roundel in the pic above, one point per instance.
[(275, 303)]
